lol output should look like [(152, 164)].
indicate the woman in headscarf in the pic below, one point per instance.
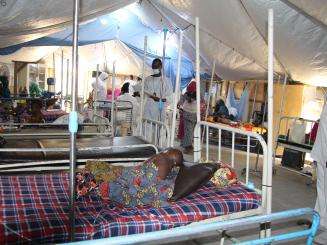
[(187, 106)]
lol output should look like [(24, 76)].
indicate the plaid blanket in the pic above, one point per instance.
[(34, 209)]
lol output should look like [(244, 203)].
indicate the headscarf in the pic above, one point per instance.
[(191, 87)]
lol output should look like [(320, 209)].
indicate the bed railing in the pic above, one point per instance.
[(121, 109), (205, 148), (155, 132), (186, 232), (56, 164)]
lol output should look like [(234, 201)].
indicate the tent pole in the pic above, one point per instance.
[(254, 99), (67, 79), (177, 88), (210, 88), (197, 132), (113, 86), (270, 110), (73, 121), (62, 77), (165, 30), (281, 108), (143, 78), (209, 95), (95, 94)]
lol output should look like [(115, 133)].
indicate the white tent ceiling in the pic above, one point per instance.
[(22, 21), (233, 32)]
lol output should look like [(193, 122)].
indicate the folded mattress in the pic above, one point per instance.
[(34, 209)]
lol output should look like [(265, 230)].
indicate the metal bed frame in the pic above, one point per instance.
[(106, 105), (155, 132), (305, 148), (200, 228), (266, 186), (100, 125)]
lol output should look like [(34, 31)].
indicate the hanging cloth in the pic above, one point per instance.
[(241, 105)]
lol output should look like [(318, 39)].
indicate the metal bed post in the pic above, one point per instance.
[(177, 88), (197, 132), (113, 86), (143, 77), (73, 121)]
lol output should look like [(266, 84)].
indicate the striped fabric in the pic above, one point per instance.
[(34, 209)]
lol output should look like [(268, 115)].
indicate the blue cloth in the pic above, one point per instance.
[(240, 104)]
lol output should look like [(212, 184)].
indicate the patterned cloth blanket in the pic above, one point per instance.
[(52, 115), (34, 209)]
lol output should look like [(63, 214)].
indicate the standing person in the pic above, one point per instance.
[(99, 89), (319, 154), (126, 100), (188, 119), (131, 82), (157, 91)]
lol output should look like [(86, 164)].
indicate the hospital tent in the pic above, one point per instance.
[(232, 32)]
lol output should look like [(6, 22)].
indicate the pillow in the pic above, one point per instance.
[(85, 184), (190, 179), (165, 161), (225, 176)]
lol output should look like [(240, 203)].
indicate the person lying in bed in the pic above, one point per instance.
[(157, 182), (149, 183)]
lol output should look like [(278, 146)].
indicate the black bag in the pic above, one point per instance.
[(293, 159)]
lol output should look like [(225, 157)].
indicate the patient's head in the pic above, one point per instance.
[(166, 160), (175, 155)]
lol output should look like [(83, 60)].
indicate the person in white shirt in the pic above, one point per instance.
[(131, 82), (157, 92), (125, 101), (319, 154), (100, 92)]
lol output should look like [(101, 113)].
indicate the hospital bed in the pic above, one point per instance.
[(50, 150), (284, 141), (99, 126), (97, 219), (41, 203)]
